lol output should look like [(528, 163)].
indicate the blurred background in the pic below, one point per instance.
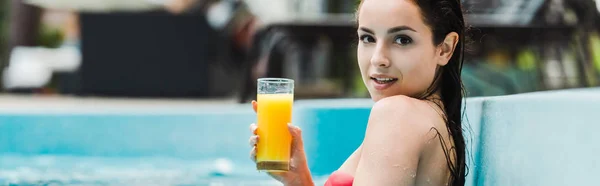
[(216, 49)]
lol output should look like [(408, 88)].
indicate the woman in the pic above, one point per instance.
[(410, 57)]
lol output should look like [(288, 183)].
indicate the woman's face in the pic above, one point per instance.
[(396, 54)]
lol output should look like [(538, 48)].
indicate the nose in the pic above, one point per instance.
[(380, 57)]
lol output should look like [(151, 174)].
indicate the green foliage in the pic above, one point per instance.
[(50, 37)]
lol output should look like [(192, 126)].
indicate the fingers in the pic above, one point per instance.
[(296, 133), (253, 128), (253, 154), (253, 141), (254, 105)]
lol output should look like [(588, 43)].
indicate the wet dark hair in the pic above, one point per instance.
[(444, 17)]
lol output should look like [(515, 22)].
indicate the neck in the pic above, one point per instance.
[(434, 92), (435, 99)]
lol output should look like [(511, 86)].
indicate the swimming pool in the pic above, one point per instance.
[(107, 143), (120, 144), (545, 138)]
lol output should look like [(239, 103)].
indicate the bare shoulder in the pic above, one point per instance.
[(396, 137), (406, 112), (404, 117)]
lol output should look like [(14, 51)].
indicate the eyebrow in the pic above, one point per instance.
[(400, 28), (391, 30), (366, 30)]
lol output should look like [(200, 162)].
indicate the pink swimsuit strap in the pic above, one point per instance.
[(339, 179)]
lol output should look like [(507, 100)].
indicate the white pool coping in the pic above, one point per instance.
[(22, 104)]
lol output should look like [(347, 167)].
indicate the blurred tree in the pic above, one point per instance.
[(595, 48), (49, 37), (341, 6)]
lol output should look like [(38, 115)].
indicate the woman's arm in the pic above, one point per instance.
[(393, 143)]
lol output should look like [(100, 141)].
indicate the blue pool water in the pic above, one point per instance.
[(73, 170), (164, 145)]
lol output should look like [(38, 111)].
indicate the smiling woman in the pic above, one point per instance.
[(413, 58), (410, 55)]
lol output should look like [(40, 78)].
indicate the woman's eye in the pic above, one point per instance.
[(367, 39), (403, 40)]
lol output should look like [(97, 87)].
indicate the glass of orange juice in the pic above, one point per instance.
[(275, 100)]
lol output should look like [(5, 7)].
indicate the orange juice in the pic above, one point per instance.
[(273, 148)]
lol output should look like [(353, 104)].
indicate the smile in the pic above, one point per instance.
[(382, 83)]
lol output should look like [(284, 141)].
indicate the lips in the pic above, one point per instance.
[(382, 82)]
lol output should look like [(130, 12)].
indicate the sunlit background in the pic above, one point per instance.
[(114, 54)]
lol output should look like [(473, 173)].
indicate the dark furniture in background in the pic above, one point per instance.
[(151, 54)]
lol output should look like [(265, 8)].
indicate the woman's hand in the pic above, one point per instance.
[(299, 174)]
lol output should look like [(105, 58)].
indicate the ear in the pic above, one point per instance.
[(447, 47)]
